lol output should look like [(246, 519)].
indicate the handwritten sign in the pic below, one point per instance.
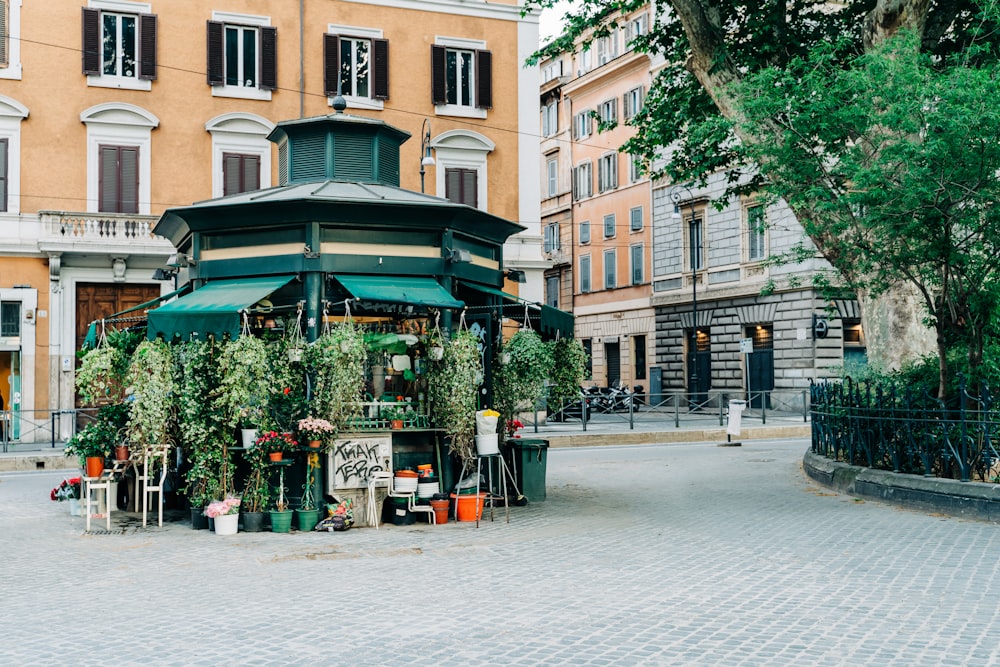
[(353, 460)]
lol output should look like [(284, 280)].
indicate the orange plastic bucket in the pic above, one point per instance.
[(469, 507)]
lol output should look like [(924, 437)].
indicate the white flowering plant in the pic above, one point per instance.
[(312, 428)]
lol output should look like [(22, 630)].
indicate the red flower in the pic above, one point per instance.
[(287, 391)]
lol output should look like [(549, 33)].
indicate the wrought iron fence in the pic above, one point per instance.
[(906, 429), (599, 406)]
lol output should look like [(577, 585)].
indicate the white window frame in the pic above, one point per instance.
[(641, 263), (360, 34), (13, 68), (607, 110), (584, 61), (750, 234), (242, 133), (633, 169), (611, 268), (462, 149), (610, 222), (607, 48), (552, 176), (550, 118), (632, 102), (582, 123), (585, 232), (119, 125), (551, 237), (552, 70), (235, 20), (632, 218), (552, 296), (583, 180), (461, 110), (11, 115), (639, 25), (607, 172), (120, 7), (585, 259)]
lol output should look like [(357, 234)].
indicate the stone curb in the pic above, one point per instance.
[(970, 500), (663, 437)]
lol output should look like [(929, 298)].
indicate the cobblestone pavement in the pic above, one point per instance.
[(651, 555)]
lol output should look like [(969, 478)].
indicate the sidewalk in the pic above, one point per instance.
[(602, 430)]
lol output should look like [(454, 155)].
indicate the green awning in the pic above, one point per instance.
[(553, 323), (399, 289), (214, 309)]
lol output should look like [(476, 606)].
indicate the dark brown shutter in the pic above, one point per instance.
[(129, 165), (331, 64), (439, 90), (380, 70), (230, 174), (268, 58), (147, 46), (214, 41), (251, 173), (460, 186), (107, 180), (91, 41), (484, 79)]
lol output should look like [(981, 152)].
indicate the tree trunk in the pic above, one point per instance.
[(894, 328)]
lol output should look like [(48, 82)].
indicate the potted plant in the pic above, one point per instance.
[(226, 513), (568, 372), (393, 415), (308, 513), (91, 445), (151, 392), (453, 385), (275, 444), (337, 362), (520, 373), (68, 489), (199, 433), (314, 431), (256, 491)]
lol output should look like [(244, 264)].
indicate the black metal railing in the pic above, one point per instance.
[(670, 408), (906, 429)]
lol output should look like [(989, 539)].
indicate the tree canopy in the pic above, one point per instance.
[(871, 119)]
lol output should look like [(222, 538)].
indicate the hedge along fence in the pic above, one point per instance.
[(905, 429)]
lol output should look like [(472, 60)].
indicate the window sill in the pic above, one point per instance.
[(11, 72), (459, 111), (240, 93), (119, 82)]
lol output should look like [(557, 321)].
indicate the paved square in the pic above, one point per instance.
[(649, 555)]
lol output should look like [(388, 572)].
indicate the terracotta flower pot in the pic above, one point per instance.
[(121, 452), (274, 456), (95, 466), (315, 444)]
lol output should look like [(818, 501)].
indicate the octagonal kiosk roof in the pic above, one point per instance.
[(338, 211)]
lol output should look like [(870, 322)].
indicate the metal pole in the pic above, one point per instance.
[(694, 308)]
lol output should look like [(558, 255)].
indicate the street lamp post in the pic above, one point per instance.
[(679, 194), (426, 159)]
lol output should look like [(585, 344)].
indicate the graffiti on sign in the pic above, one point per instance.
[(353, 460)]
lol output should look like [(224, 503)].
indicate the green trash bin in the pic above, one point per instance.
[(530, 458)]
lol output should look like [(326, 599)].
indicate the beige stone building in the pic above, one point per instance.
[(113, 110)]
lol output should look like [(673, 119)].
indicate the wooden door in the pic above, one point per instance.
[(95, 301)]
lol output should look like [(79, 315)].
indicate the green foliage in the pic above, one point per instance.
[(99, 437), (200, 431), (256, 490), (152, 393), (520, 372), (245, 378), (286, 402), (453, 386), (568, 371), (337, 361)]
